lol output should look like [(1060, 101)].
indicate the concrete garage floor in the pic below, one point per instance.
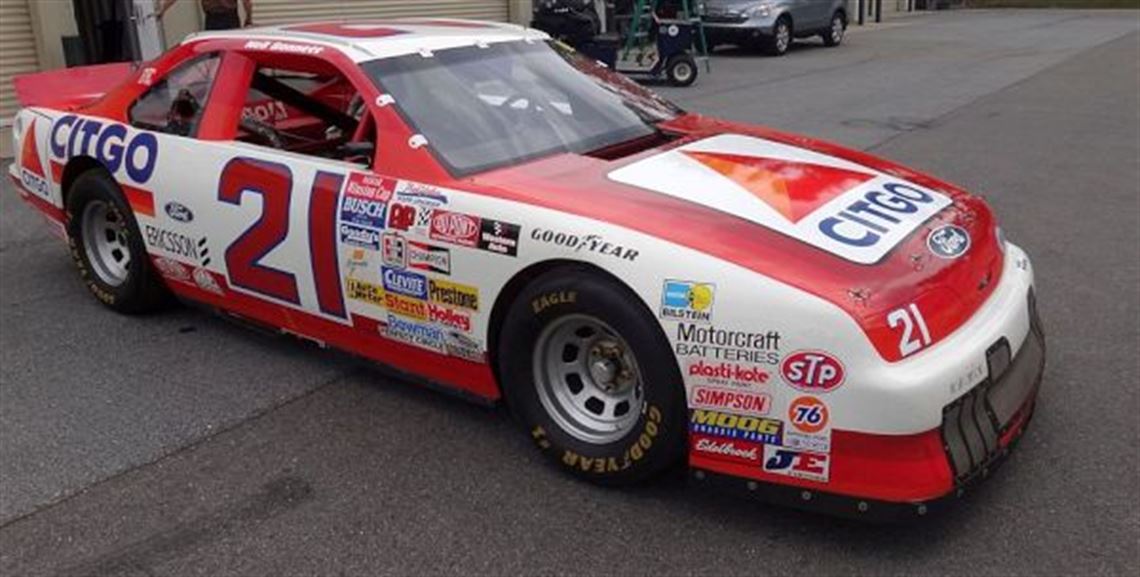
[(179, 445)]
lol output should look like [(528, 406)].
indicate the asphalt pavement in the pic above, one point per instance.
[(179, 444)]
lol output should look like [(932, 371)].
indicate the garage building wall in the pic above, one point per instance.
[(282, 11), (18, 56)]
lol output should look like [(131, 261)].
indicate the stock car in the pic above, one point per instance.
[(483, 208)]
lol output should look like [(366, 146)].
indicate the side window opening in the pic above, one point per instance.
[(308, 107), (175, 103)]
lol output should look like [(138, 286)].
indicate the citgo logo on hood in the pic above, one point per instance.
[(813, 371), (849, 210)]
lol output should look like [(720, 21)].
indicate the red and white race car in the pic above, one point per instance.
[(483, 208)]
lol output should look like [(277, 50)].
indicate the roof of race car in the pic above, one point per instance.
[(364, 40)]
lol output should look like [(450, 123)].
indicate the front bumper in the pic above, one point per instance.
[(751, 29), (977, 433)]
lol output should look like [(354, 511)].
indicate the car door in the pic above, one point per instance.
[(806, 14), (255, 215)]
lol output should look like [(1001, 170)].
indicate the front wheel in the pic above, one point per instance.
[(108, 248), (781, 39), (682, 70), (833, 36), (587, 370)]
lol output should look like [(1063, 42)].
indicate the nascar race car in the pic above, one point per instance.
[(484, 208)]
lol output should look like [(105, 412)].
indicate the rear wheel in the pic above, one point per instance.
[(108, 248), (833, 36), (682, 70), (588, 372)]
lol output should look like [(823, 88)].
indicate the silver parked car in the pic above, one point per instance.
[(772, 24)]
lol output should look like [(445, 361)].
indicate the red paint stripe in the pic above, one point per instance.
[(141, 201), (322, 242), (57, 172)]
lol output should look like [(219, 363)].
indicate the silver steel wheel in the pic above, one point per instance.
[(682, 72), (105, 242), (783, 36), (836, 29), (587, 379)]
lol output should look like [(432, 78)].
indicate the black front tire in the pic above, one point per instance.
[(682, 70), (836, 30), (141, 291), (781, 40), (652, 443)]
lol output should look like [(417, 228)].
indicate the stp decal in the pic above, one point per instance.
[(841, 207), (812, 371)]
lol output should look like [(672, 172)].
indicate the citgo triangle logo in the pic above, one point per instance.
[(794, 189), (30, 158), (834, 204)]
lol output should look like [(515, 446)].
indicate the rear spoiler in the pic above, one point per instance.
[(70, 88)]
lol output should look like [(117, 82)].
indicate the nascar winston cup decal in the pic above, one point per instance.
[(844, 208)]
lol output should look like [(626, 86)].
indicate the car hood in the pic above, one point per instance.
[(861, 232)]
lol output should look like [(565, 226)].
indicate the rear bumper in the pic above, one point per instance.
[(908, 476)]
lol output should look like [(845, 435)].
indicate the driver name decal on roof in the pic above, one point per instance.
[(846, 209)]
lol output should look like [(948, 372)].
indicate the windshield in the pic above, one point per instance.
[(485, 107)]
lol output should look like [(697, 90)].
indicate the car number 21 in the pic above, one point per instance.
[(273, 181), (908, 318)]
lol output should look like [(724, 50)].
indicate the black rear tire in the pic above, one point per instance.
[(140, 290), (654, 438)]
